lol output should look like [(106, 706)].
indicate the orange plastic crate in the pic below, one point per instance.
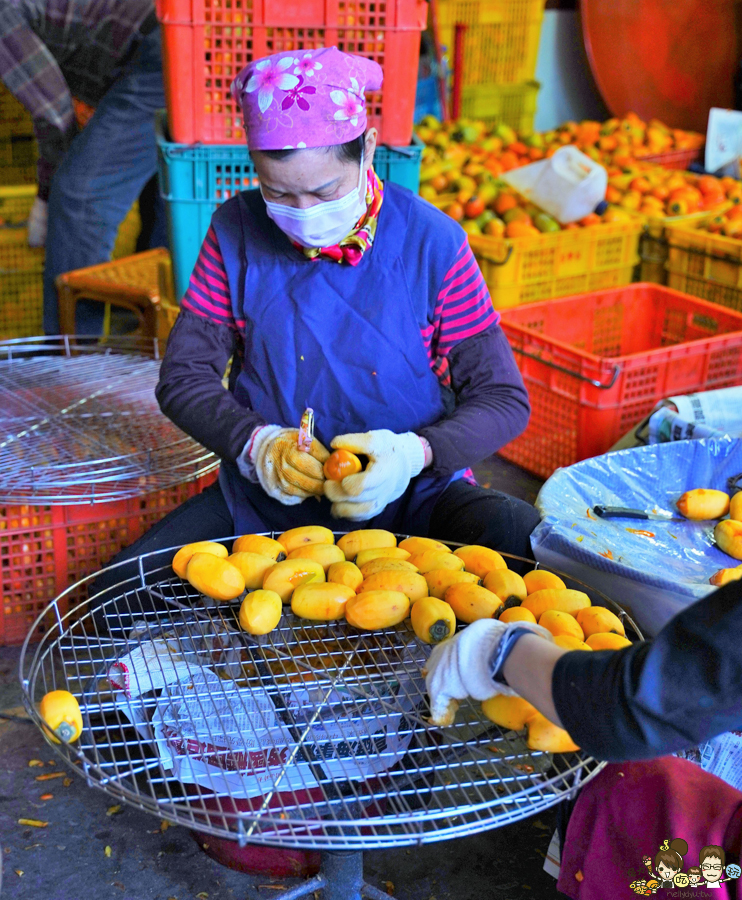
[(207, 42), (45, 549), (595, 364)]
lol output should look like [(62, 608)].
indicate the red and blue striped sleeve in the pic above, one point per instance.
[(464, 306), (463, 309), (208, 292)]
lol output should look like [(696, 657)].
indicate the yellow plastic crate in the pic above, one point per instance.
[(509, 262), (513, 104), (21, 268), (696, 252), (703, 264), (18, 152), (723, 294), (501, 40), (11, 110), (508, 296), (653, 244)]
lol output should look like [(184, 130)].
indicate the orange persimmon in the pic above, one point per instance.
[(340, 464)]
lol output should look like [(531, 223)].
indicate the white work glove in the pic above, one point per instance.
[(37, 221), (393, 460), (462, 666), (286, 473)]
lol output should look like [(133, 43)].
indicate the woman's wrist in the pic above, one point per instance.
[(529, 669), (427, 450)]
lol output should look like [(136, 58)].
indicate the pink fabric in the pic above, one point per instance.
[(629, 809), (305, 98)]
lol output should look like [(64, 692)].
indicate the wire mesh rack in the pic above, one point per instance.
[(79, 423), (315, 736)]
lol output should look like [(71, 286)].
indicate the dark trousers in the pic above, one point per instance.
[(101, 175), (464, 513)]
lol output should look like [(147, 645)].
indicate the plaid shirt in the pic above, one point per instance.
[(52, 50)]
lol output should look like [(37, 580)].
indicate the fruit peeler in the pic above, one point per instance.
[(306, 430)]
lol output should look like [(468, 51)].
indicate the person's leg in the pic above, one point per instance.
[(100, 177), (204, 517), (469, 514)]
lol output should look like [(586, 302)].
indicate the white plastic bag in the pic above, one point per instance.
[(724, 141)]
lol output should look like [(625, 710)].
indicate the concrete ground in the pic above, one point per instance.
[(70, 859)]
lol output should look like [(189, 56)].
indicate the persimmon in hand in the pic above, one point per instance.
[(341, 464)]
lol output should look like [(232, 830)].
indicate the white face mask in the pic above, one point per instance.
[(323, 224)]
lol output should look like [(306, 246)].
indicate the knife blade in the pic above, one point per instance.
[(624, 512)]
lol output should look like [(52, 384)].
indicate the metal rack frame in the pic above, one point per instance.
[(79, 423), (385, 778)]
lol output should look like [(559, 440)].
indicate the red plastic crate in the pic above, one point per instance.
[(207, 42), (45, 549), (595, 364)]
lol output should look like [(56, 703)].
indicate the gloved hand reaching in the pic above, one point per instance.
[(37, 222), (464, 665), (285, 472), (393, 460)]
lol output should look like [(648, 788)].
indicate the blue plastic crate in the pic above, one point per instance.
[(196, 178), (427, 99)]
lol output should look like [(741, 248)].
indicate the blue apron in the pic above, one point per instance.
[(344, 340)]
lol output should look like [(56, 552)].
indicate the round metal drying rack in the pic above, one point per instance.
[(79, 423), (332, 721)]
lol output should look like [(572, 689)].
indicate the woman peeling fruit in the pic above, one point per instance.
[(358, 301)]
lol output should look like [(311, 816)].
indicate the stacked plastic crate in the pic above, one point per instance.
[(497, 51), (203, 157)]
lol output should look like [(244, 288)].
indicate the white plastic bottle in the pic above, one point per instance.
[(568, 185)]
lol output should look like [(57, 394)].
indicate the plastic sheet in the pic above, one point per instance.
[(654, 568)]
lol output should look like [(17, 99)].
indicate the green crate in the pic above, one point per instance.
[(196, 178)]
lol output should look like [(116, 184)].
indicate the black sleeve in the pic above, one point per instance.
[(491, 403), (653, 698), (190, 390)]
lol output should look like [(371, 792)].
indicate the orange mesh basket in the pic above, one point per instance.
[(207, 42), (595, 364)]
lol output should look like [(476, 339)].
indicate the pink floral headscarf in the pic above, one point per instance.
[(305, 98)]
